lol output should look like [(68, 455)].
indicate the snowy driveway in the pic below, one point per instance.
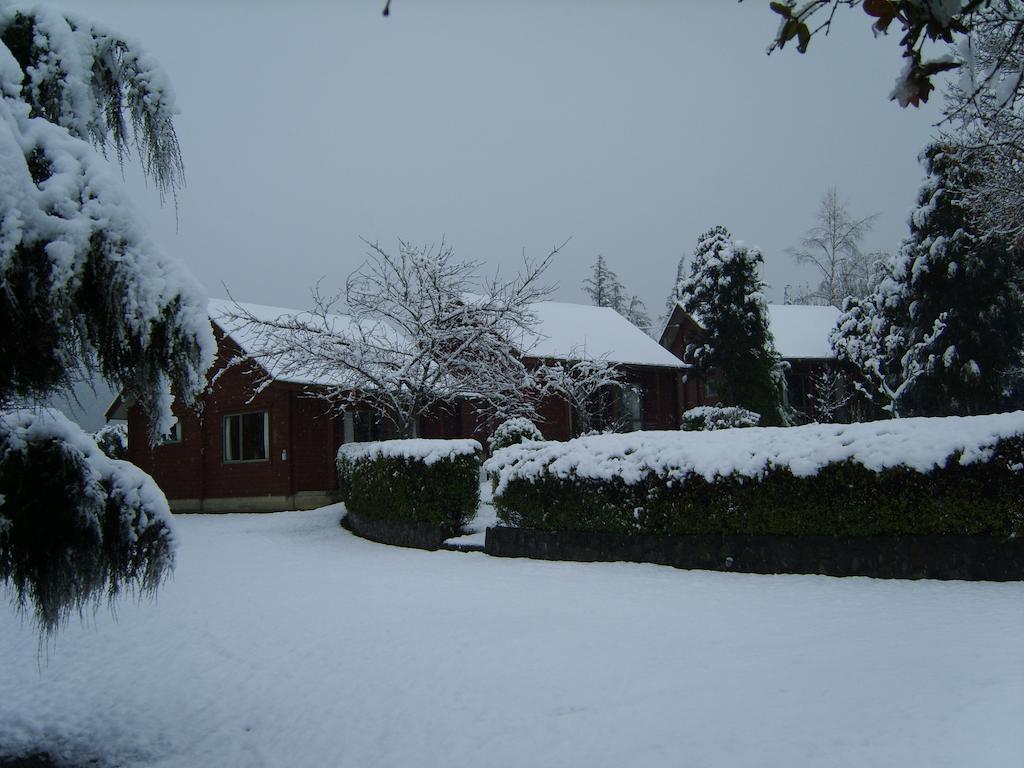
[(285, 641)]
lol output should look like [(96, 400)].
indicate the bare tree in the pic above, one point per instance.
[(831, 393), (985, 115), (832, 247), (586, 384), (422, 329)]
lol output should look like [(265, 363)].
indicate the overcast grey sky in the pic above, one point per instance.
[(630, 127)]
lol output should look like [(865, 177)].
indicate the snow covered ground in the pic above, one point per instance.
[(285, 641)]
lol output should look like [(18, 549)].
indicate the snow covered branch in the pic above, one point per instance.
[(421, 329)]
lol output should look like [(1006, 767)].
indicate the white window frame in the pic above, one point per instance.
[(241, 437)]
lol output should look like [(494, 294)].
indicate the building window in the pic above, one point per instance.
[(631, 408), (796, 391), (246, 437), (363, 427), (173, 434), (711, 389)]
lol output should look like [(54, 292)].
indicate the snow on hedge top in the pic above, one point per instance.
[(425, 450), (567, 331), (919, 444)]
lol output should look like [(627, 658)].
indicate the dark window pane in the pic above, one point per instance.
[(232, 442), (253, 437)]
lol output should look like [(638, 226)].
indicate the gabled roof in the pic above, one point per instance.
[(564, 332), (800, 331), (569, 331), (221, 311)]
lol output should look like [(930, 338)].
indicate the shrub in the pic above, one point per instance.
[(709, 417), (512, 432), (112, 439), (75, 525), (426, 481), (913, 476)]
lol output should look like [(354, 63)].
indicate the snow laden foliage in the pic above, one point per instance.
[(75, 525), (112, 439), (512, 432), (77, 275), (422, 329), (711, 417), (724, 294), (82, 290), (986, 104), (944, 331), (918, 444)]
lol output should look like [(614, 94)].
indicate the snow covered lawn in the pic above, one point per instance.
[(285, 641)]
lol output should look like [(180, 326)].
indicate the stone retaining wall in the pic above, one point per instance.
[(398, 532), (903, 557)]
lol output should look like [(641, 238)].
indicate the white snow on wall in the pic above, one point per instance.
[(920, 444)]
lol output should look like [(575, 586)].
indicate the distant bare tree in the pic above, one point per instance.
[(832, 247)]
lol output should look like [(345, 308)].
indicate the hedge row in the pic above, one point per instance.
[(842, 499), (425, 481)]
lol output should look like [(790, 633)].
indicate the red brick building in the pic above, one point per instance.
[(273, 449)]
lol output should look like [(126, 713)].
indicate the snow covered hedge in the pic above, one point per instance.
[(921, 476), (75, 525), (427, 481)]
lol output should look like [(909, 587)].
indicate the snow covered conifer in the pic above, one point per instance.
[(83, 290), (604, 288), (724, 294), (959, 296), (676, 295), (112, 439), (636, 313)]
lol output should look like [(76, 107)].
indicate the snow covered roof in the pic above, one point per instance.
[(801, 331), (220, 311), (567, 331)]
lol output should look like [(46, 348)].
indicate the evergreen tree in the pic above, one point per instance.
[(82, 289), (724, 294), (636, 313), (676, 294), (604, 287), (952, 314), (965, 304)]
